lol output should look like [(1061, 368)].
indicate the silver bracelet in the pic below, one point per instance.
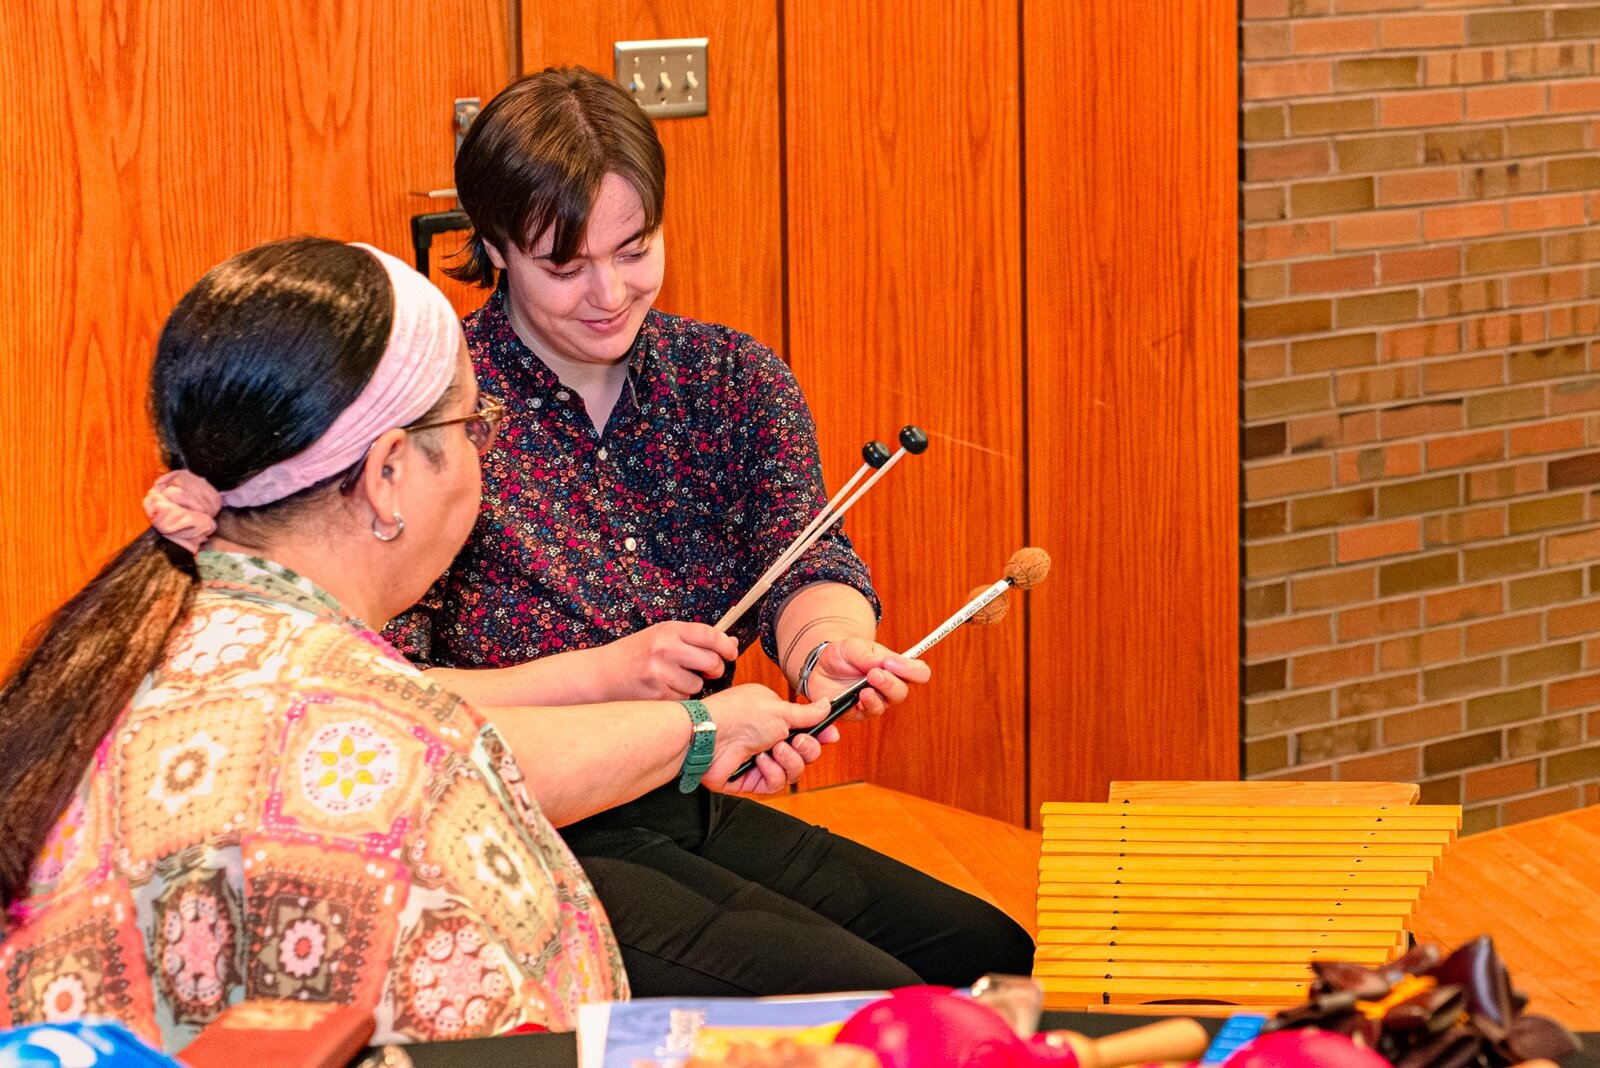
[(804, 681)]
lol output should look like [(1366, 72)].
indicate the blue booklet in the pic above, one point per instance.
[(666, 1032)]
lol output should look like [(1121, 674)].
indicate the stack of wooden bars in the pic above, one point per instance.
[(1142, 902)]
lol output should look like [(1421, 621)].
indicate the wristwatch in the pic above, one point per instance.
[(701, 745)]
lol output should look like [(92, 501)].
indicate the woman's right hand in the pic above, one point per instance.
[(665, 662), (753, 721)]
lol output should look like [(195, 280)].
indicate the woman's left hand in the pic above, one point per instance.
[(887, 673)]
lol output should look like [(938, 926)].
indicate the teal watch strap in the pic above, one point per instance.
[(701, 745)]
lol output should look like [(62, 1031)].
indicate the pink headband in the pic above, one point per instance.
[(416, 368)]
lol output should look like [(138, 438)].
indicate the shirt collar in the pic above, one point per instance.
[(255, 578), (641, 357)]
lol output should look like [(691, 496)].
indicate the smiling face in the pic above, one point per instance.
[(588, 309)]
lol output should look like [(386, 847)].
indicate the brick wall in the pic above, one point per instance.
[(1422, 398)]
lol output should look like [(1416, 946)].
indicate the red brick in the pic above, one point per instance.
[(1465, 220), (1270, 81), (1423, 264), (1438, 646), (1545, 213), (1509, 481), (1379, 539), (1287, 636), (1344, 272), (1501, 781), (1474, 602), (1268, 40), (1374, 620), (1422, 724), (1412, 420), (1319, 669), (1264, 9), (1287, 241), (1464, 449), (1573, 693), (1438, 108), (1366, 465), (1455, 376), (1548, 437), (1493, 102), (1381, 386), (1419, 187), (1507, 632), (1416, 342), (1573, 619), (1473, 524), (1356, 428), (1570, 548), (1545, 804), (1346, 586), (1377, 229), (1549, 287), (1400, 765), (1580, 396), (1266, 362), (1500, 330), (1579, 95), (1465, 67), (1326, 36), (1291, 476), (1421, 31), (1463, 298), (1304, 159)]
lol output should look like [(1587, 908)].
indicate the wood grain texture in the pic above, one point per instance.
[(724, 216), (145, 142), (1132, 380), (905, 307), (1535, 888)]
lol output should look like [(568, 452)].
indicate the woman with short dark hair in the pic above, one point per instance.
[(658, 465)]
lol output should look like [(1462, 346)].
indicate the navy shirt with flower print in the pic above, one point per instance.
[(706, 470)]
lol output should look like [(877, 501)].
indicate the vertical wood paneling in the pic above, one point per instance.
[(1132, 380), (724, 216), (145, 141), (905, 302)]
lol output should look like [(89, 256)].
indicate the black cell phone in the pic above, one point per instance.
[(836, 708)]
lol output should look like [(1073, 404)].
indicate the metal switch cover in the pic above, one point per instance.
[(667, 78)]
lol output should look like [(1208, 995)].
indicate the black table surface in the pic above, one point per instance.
[(561, 1051)]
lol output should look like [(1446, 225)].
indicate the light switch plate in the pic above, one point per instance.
[(667, 78)]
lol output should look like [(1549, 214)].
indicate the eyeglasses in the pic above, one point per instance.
[(481, 427)]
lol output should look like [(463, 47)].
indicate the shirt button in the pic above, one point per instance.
[(629, 544), (602, 453), (538, 402), (563, 395)]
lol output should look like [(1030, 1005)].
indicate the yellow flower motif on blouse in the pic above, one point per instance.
[(347, 766)]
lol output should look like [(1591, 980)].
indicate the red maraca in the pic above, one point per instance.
[(1307, 1047)]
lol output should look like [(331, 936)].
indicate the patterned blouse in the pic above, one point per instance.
[(707, 469), (287, 809)]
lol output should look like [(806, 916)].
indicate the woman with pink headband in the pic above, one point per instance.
[(220, 783)]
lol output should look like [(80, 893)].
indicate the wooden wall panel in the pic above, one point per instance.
[(1132, 380), (145, 141), (905, 301), (724, 215)]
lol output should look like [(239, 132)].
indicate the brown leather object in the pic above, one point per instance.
[(1425, 1010)]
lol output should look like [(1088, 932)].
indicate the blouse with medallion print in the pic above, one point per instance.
[(288, 809)]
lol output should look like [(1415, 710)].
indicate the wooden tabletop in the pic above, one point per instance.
[(1535, 889)]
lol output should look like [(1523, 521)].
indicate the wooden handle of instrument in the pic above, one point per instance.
[(1170, 1040)]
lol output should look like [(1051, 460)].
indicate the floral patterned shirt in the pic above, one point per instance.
[(288, 809), (707, 469)]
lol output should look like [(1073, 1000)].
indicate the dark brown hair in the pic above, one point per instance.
[(252, 367), (536, 156)]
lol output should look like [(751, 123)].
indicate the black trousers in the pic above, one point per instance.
[(711, 895)]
